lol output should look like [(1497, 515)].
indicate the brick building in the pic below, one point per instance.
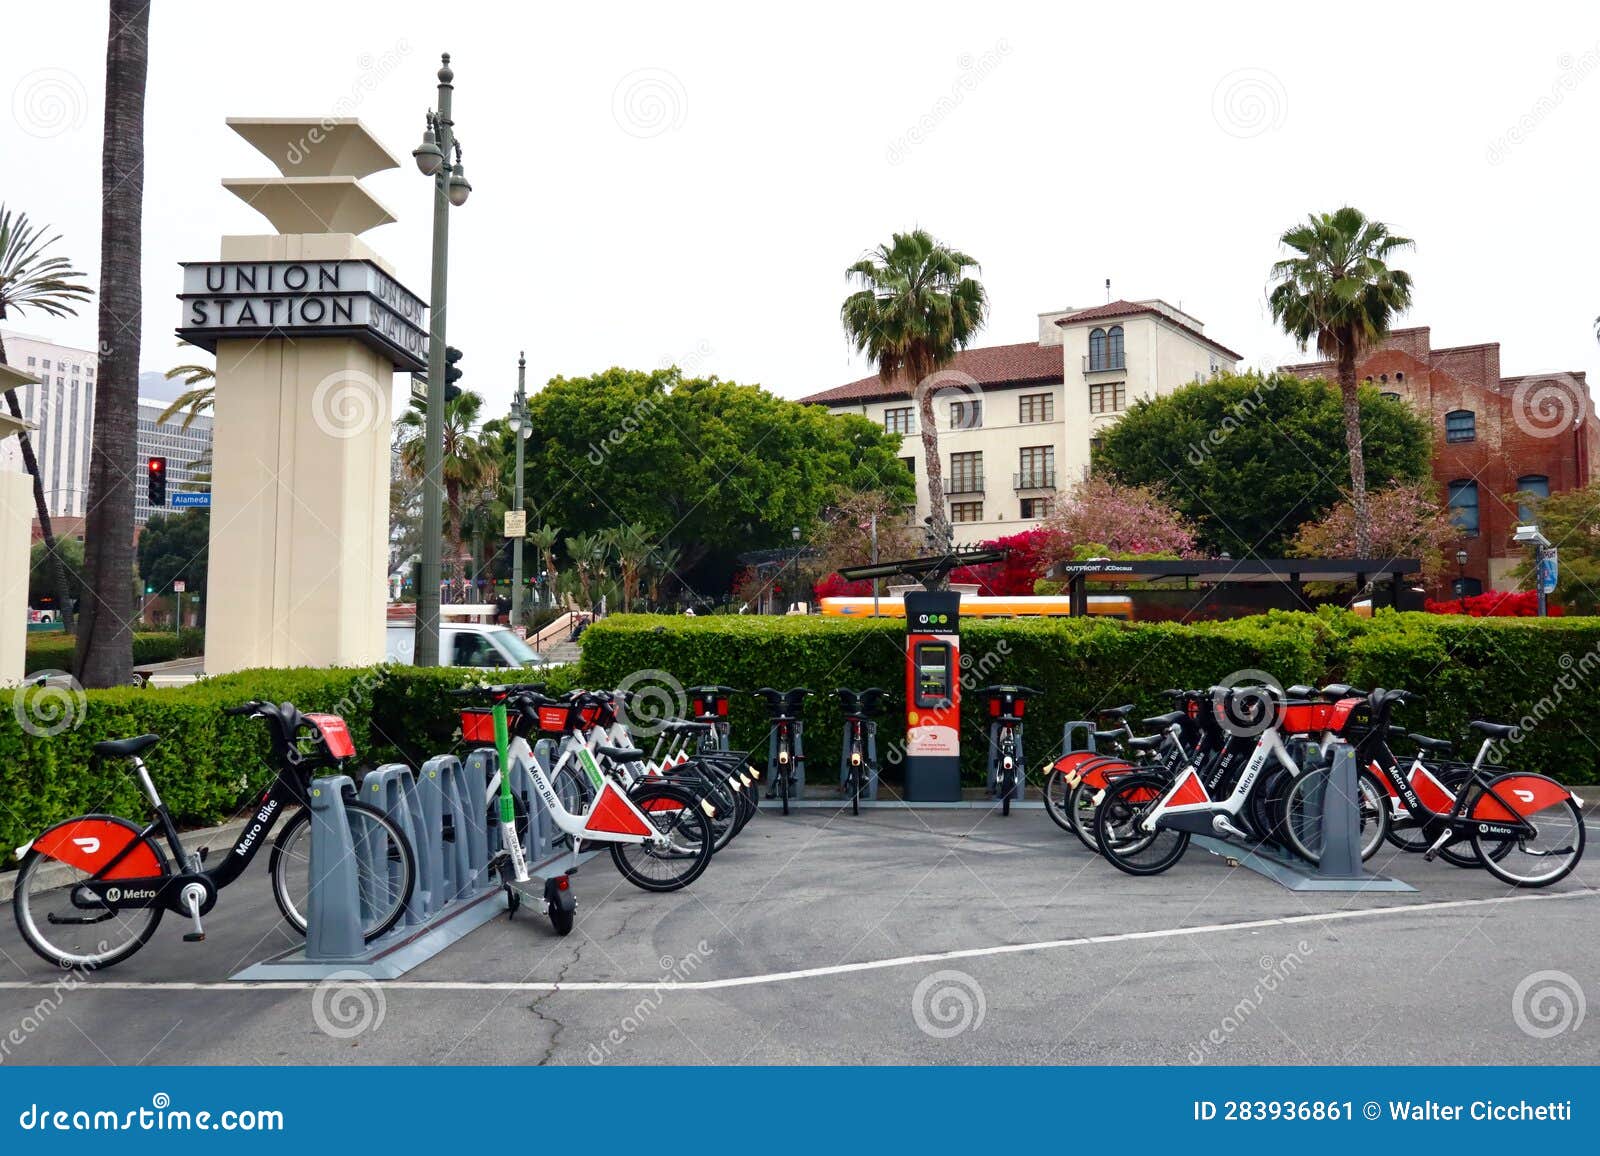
[(1493, 436)]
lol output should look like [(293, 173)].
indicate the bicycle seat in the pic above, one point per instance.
[(1493, 729), (1165, 720), (1116, 712), (686, 727), (1107, 736), (126, 748), (1443, 745), (1300, 690), (1338, 690), (620, 754), (1144, 743)]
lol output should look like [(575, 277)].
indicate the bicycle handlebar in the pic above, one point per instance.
[(1010, 688)]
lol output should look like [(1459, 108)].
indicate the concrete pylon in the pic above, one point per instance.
[(309, 326), (16, 543)]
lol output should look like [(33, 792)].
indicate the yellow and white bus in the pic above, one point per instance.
[(986, 606)]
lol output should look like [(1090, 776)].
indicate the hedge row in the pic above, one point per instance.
[(1542, 673), (53, 650), (207, 764)]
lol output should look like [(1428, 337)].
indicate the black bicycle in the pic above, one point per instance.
[(861, 709), (784, 709), (1006, 705), (91, 890)]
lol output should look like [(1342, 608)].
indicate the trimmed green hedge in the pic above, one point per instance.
[(208, 764), (1543, 673), (53, 650)]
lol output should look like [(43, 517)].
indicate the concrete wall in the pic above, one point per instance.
[(16, 520)]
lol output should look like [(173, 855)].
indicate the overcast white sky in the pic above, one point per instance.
[(687, 182)]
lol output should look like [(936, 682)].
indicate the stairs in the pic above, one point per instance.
[(561, 652)]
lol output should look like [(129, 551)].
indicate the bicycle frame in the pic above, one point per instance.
[(611, 818), (1188, 804)]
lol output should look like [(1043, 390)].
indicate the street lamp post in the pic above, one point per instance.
[(520, 433), (1461, 582), (450, 187), (794, 532)]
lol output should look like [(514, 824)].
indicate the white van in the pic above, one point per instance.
[(463, 642)]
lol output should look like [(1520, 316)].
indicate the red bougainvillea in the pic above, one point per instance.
[(1493, 604)]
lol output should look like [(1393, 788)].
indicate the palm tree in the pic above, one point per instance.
[(197, 400), (31, 280), (105, 628), (587, 552), (631, 544), (663, 561), (469, 465), (915, 310), (544, 540), (1337, 288)]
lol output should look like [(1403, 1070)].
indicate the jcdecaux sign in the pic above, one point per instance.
[(244, 299)]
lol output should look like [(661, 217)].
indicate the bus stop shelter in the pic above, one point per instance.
[(1257, 571)]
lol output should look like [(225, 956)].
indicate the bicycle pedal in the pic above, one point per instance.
[(194, 937)]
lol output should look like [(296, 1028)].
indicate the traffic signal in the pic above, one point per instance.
[(158, 481), (452, 373)]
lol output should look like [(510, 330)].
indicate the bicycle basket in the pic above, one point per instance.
[(553, 719), (335, 735), (1303, 718), (1349, 713), (477, 726)]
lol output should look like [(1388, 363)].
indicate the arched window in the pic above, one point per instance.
[(1463, 505), (1460, 425), (1536, 484), (1114, 353), (1097, 350)]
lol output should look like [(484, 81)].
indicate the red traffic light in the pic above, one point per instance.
[(157, 465)]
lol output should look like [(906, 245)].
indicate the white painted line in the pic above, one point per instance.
[(812, 972)]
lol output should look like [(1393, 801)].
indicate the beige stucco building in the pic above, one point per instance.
[(1017, 423)]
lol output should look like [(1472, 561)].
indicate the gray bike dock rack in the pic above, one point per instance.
[(1337, 810), (1068, 730), (869, 736), (1022, 762), (452, 895)]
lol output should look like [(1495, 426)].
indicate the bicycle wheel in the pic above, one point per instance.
[(1116, 827), (1537, 860), (386, 868), (1304, 834), (1082, 802), (1056, 794), (47, 892), (676, 813)]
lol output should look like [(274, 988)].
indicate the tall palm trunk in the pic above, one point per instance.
[(1352, 441), (933, 467), (105, 627), (58, 569)]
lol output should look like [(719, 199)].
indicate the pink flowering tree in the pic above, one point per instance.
[(1117, 519), (1408, 521)]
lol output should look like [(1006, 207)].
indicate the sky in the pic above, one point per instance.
[(686, 183)]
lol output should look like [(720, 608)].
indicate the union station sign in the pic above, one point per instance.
[(287, 299)]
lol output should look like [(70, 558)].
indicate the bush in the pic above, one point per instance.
[(1537, 673), (208, 763), (53, 649)]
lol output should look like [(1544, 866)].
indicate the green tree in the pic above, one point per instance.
[(1571, 520), (1337, 289), (41, 573), (175, 546), (716, 467), (916, 309), (587, 553), (470, 466), (31, 280), (1249, 458), (105, 623), (544, 540)]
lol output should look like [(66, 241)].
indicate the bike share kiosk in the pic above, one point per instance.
[(933, 670)]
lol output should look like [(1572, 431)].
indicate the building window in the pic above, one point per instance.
[(910, 465), (1463, 506), (966, 414), (1035, 508), (1114, 347), (45, 364), (1460, 425), (1390, 396), (1105, 350), (966, 511), (33, 361), (966, 473), (1036, 407), (899, 421), (1466, 587), (1036, 467), (1107, 397), (1536, 484)]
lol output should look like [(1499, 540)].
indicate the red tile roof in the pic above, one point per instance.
[(1139, 309), (996, 365)]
